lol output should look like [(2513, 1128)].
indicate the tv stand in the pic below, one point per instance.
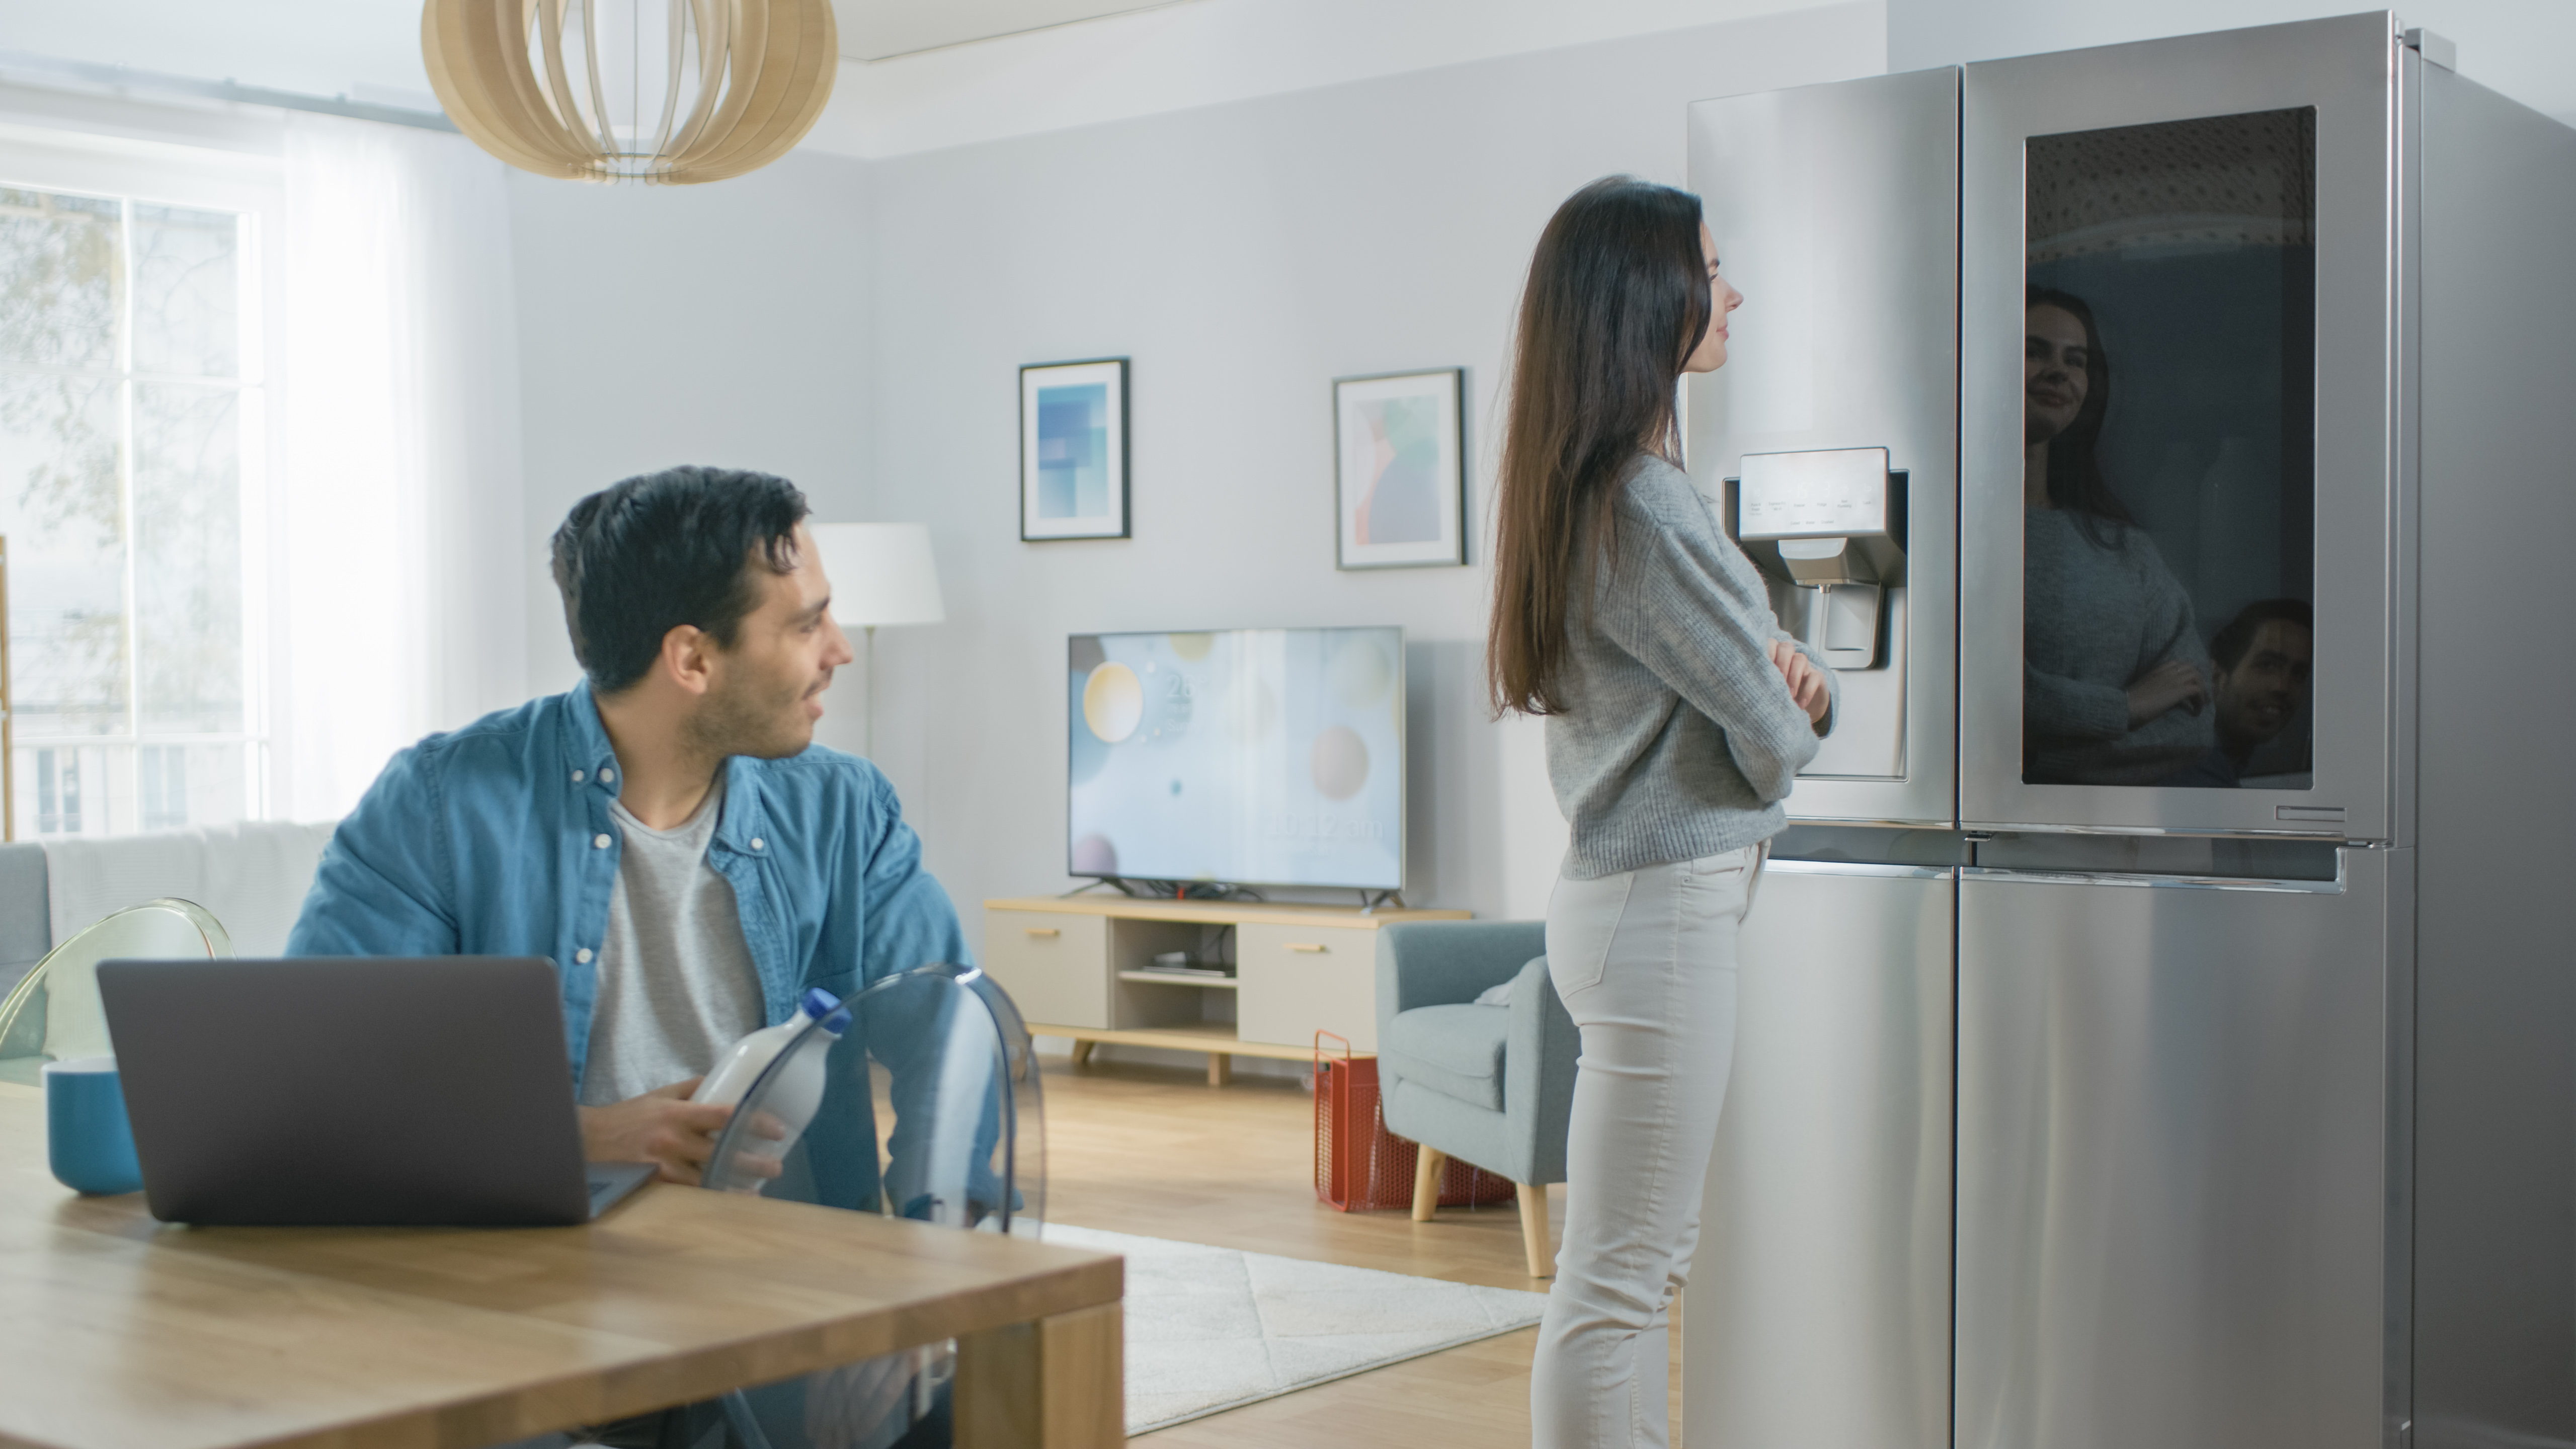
[(1080, 967)]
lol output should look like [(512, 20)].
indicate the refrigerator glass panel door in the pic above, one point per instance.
[(1835, 210), (2176, 435), (2166, 617), (2171, 1169)]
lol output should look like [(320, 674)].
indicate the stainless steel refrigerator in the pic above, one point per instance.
[(2159, 1024)]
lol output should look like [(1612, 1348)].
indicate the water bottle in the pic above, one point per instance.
[(798, 1089)]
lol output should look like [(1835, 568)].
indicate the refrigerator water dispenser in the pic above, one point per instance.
[(1832, 523)]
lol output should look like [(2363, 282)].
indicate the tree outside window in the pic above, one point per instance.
[(124, 406)]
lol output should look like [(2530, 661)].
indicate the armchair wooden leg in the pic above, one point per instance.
[(1542, 1254), (1427, 1168)]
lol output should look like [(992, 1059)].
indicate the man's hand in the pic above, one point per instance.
[(663, 1126), (1806, 682)]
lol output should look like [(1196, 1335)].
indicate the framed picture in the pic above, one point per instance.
[(1073, 450), (1400, 477)]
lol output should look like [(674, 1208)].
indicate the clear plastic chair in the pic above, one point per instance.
[(54, 1014), (931, 1110)]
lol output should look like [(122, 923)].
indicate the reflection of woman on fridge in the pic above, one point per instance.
[(2114, 677)]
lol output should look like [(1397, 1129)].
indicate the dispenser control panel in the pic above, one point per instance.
[(1840, 493)]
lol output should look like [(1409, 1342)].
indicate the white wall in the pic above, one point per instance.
[(857, 326), (2525, 49), (1243, 255), (721, 324)]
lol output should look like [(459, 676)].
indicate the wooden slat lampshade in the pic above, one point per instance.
[(667, 91)]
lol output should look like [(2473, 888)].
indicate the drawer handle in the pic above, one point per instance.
[(1307, 946), (1042, 930)]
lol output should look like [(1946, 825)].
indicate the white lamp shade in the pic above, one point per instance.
[(881, 573)]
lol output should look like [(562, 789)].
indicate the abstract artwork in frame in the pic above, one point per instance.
[(1399, 451), (1073, 450)]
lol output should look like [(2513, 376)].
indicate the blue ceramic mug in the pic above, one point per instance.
[(87, 1138)]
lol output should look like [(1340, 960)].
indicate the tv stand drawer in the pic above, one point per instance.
[(1055, 965), (1298, 980)]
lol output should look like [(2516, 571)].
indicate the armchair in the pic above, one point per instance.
[(1491, 1085)]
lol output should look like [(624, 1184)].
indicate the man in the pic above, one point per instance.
[(666, 835), (2259, 683)]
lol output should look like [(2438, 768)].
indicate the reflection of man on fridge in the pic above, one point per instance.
[(2258, 691), (2190, 1053)]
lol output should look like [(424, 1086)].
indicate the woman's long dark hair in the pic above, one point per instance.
[(2075, 481), (1617, 301)]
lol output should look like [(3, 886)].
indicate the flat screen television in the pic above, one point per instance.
[(1244, 756)]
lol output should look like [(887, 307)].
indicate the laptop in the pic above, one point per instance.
[(416, 1091)]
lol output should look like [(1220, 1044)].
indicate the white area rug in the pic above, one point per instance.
[(1211, 1328)]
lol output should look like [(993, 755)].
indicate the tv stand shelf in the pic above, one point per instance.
[(1204, 983), (1079, 968)]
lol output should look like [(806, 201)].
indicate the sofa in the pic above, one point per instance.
[(251, 876)]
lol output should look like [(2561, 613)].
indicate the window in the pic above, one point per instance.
[(128, 392)]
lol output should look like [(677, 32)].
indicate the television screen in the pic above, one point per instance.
[(1252, 756)]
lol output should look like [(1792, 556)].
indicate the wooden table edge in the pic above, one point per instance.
[(1044, 1341), (1035, 1337), (1020, 1382)]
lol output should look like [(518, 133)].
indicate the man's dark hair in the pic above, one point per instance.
[(640, 558), (2228, 649)]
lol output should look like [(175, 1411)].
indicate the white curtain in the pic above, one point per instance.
[(397, 552)]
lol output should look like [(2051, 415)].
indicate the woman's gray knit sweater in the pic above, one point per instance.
[(1679, 739)]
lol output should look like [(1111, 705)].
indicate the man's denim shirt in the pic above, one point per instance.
[(496, 840)]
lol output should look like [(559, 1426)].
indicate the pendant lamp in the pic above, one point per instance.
[(667, 91)]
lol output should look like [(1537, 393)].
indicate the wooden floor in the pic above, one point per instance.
[(1156, 1151)]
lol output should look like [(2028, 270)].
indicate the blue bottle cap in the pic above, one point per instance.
[(821, 1005)]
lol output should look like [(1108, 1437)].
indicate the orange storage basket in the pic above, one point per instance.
[(1359, 1165)]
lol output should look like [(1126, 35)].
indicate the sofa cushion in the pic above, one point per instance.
[(1454, 1050)]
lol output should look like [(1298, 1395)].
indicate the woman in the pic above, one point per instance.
[(1678, 714), (2114, 678)]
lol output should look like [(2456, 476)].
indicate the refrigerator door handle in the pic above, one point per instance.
[(2333, 887), (1858, 867)]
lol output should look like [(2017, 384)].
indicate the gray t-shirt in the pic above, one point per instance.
[(676, 983), (2097, 616)]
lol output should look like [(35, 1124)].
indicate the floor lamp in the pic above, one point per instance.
[(881, 573)]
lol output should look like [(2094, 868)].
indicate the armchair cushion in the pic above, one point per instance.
[(1433, 1078), (1456, 1051)]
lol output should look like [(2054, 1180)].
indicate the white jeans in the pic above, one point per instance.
[(1645, 962)]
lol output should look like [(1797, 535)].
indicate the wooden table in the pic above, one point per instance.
[(118, 1332)]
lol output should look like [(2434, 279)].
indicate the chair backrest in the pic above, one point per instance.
[(54, 1013), (939, 1064), (963, 1143)]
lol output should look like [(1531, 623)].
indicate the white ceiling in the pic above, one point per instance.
[(365, 49), (1034, 69), (876, 29), (370, 49)]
